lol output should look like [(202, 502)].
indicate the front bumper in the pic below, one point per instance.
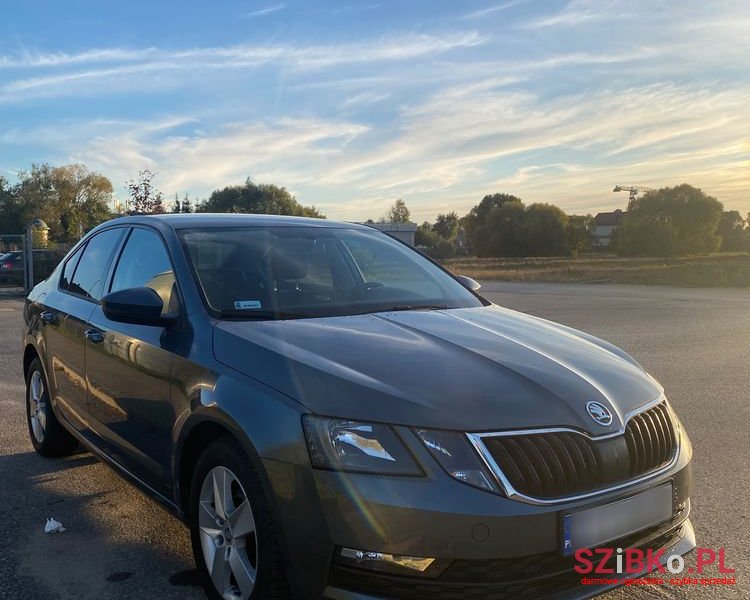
[(498, 548), (530, 578)]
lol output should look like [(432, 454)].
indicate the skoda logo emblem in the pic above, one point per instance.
[(599, 413)]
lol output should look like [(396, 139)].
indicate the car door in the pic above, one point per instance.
[(64, 316), (128, 367)]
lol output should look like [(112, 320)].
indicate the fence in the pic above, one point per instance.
[(13, 261)]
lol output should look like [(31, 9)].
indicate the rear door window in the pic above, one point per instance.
[(89, 276)]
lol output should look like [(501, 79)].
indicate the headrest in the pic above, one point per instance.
[(284, 268), (287, 259)]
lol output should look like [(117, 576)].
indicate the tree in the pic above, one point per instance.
[(83, 199), (501, 232), (34, 197), (424, 235), (579, 233), (181, 206), (144, 198), (433, 242), (511, 229), (641, 235), (256, 199), (731, 230), (187, 206), (478, 215), (544, 231), (446, 226), (70, 199), (670, 221), (398, 213), (10, 220)]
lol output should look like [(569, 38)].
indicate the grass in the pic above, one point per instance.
[(715, 270)]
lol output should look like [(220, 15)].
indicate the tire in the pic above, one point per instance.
[(235, 542), (48, 437)]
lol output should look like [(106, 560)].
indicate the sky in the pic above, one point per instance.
[(353, 104)]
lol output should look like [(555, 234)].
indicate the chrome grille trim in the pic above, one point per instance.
[(477, 441)]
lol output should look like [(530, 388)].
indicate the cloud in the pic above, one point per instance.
[(29, 59), (66, 132), (578, 12), (346, 9), (285, 150), (447, 149), (560, 107), (642, 19), (106, 67), (392, 47), (477, 14), (262, 12), (455, 141), (363, 99)]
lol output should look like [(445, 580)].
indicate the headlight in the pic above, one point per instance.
[(454, 453), (345, 445)]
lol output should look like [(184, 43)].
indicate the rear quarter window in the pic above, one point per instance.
[(69, 268)]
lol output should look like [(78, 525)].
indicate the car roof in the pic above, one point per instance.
[(191, 220)]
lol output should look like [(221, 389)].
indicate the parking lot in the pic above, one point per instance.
[(118, 544)]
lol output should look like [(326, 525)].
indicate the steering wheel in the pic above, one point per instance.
[(361, 289)]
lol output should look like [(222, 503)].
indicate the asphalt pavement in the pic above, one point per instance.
[(119, 544)]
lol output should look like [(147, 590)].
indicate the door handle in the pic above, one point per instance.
[(94, 336), (48, 317)]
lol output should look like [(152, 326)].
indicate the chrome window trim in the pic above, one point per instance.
[(477, 440)]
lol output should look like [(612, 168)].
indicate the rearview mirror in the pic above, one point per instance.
[(139, 306), (469, 283)]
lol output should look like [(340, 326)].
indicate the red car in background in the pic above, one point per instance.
[(12, 266)]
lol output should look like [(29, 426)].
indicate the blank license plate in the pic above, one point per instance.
[(592, 527)]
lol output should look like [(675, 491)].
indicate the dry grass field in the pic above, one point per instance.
[(716, 270)]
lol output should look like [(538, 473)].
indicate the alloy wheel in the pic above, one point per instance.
[(37, 406), (228, 535)]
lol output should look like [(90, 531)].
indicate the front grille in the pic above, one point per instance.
[(651, 440), (559, 464)]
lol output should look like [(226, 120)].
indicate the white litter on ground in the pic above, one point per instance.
[(53, 526)]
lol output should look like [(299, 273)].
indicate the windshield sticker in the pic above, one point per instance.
[(246, 304)]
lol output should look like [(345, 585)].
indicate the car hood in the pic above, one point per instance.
[(474, 369)]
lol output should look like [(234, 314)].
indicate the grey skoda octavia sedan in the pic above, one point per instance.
[(335, 415)]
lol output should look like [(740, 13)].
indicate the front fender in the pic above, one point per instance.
[(245, 409)]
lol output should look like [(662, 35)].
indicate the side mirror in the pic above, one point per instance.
[(139, 306), (469, 283)]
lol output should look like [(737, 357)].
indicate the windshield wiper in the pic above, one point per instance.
[(269, 315), (403, 307), (257, 315)]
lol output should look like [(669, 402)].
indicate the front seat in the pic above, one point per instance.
[(286, 265)]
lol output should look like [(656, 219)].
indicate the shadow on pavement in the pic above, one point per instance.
[(117, 543)]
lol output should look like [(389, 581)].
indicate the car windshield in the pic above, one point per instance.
[(297, 272)]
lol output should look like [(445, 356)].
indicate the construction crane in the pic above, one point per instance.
[(633, 190)]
